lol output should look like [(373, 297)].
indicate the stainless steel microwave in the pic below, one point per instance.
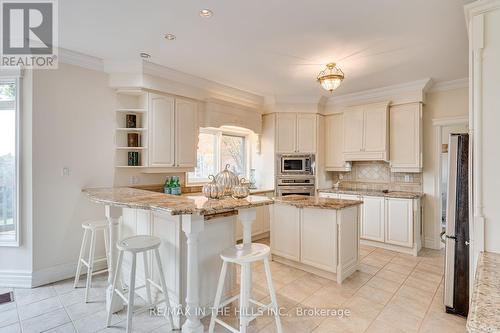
[(296, 164)]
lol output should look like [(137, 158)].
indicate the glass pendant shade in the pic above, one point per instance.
[(331, 78)]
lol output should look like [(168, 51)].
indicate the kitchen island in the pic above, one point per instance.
[(318, 235), (193, 229)]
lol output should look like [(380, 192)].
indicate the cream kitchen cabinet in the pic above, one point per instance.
[(161, 131), (285, 232), (399, 222), (334, 143), (173, 132), (296, 132), (366, 132), (373, 218), (406, 137)]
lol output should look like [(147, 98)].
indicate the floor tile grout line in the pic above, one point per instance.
[(395, 292), (430, 305)]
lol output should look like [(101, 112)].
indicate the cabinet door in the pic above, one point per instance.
[(334, 143), (306, 133), (286, 132), (375, 129), (285, 232), (399, 222), (266, 216), (373, 218), (353, 130), (186, 129), (161, 131), (406, 137), (319, 238)]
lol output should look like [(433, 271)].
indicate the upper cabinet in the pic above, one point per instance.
[(366, 132), (296, 133), (406, 137), (173, 132), (334, 143), (186, 133), (161, 131)]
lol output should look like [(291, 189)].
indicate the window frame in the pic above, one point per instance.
[(16, 105), (219, 132)]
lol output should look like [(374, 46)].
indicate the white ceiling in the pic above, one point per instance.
[(277, 47)]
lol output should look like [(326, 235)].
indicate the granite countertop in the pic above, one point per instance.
[(303, 201), (484, 312), (175, 205), (375, 193)]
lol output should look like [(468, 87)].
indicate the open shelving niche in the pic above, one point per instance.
[(131, 102)]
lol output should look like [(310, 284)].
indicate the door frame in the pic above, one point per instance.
[(438, 125)]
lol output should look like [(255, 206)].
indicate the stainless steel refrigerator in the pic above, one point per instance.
[(456, 283)]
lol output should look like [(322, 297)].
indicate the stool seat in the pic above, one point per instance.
[(140, 243), (95, 224), (245, 253)]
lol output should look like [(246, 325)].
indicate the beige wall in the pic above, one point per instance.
[(439, 105), (73, 126)]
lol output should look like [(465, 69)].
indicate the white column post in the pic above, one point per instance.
[(192, 225), (113, 215), (247, 217)]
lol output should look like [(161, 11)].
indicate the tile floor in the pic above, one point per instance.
[(391, 293)]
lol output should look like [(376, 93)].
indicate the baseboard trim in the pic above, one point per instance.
[(61, 272), (15, 279)]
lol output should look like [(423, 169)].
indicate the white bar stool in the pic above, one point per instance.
[(134, 245), (244, 255), (91, 227)]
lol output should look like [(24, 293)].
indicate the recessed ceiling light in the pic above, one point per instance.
[(170, 36), (145, 55), (206, 13)]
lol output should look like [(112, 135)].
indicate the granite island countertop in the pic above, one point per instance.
[(175, 205), (375, 193), (303, 201), (484, 312)]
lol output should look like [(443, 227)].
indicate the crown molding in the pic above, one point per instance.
[(480, 7), (79, 59), (401, 93), (449, 85)]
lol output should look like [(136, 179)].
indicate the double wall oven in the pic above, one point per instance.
[(295, 174)]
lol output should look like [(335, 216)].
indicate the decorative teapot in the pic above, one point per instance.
[(213, 190), (228, 180), (241, 190)]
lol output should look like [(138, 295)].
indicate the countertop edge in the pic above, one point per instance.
[(394, 194)]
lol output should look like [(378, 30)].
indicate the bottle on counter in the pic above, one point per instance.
[(167, 189), (176, 186)]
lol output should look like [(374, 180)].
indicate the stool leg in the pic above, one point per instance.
[(272, 293), (245, 269), (91, 266), (218, 296), (131, 294), (165, 290), (106, 246), (113, 286), (80, 257), (146, 277)]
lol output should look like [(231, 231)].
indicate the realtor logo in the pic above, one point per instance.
[(29, 33)]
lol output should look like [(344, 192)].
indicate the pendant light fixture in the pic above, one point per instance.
[(331, 77)]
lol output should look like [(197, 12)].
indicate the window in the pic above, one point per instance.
[(216, 149), (8, 163)]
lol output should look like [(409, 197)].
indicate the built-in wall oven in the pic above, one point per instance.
[(290, 185), (295, 164)]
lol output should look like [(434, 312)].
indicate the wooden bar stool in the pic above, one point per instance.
[(135, 245), (91, 227), (244, 255)]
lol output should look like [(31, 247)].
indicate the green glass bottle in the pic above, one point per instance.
[(166, 188)]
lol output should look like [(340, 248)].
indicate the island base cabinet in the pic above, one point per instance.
[(285, 231), (322, 241), (318, 231)]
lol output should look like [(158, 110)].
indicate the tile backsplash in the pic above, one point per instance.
[(377, 175)]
